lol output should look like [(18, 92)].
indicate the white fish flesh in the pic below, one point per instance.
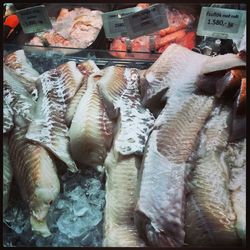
[(160, 208), (36, 175), (91, 129), (48, 126)]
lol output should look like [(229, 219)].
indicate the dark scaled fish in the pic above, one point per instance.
[(91, 130), (119, 227), (159, 213), (55, 88), (36, 175), (210, 217), (21, 69), (7, 172), (86, 68)]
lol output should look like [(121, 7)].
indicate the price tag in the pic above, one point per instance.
[(146, 21), (34, 19), (113, 22), (221, 23)]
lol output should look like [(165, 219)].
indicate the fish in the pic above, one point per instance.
[(7, 172), (210, 216), (222, 62), (18, 99), (21, 68), (86, 68), (236, 159), (230, 81), (177, 66), (36, 175), (8, 122), (91, 129), (160, 207), (48, 126), (121, 173), (112, 85)]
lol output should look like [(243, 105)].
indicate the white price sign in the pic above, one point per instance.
[(221, 23), (34, 19)]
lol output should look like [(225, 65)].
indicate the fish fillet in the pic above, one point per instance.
[(209, 213), (7, 173), (8, 122), (35, 173), (119, 227), (175, 67), (91, 129), (48, 126), (21, 68), (160, 208), (86, 68), (18, 99), (237, 163)]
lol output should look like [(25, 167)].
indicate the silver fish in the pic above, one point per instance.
[(36, 175), (160, 208), (21, 68), (8, 113), (209, 213), (7, 173), (48, 126), (91, 130)]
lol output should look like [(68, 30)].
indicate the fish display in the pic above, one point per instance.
[(48, 127), (86, 68), (77, 28), (91, 129), (210, 216), (21, 69), (35, 173), (119, 227), (8, 122), (160, 207), (7, 172)]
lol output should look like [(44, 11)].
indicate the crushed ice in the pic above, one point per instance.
[(75, 219)]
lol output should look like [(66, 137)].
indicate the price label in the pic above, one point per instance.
[(221, 23), (113, 22), (146, 21), (34, 19)]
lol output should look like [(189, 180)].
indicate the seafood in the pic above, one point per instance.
[(209, 213), (77, 28), (7, 117), (21, 68), (91, 129), (19, 101), (159, 213), (7, 172), (86, 68), (176, 67), (35, 173), (48, 126), (119, 227)]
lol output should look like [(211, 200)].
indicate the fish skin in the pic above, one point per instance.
[(86, 68), (209, 213), (18, 99), (7, 172), (8, 122), (36, 175), (175, 67), (20, 66), (91, 129), (119, 227), (48, 126), (159, 213)]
